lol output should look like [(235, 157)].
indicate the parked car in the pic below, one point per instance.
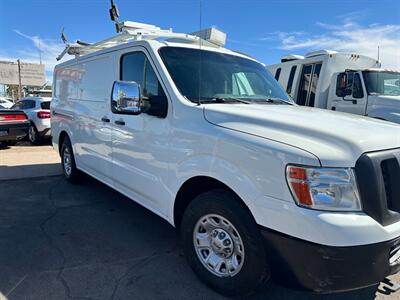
[(38, 111), (13, 126), (6, 103), (207, 139), (346, 82)]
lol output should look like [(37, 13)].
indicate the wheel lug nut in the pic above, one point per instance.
[(214, 234), (221, 235), (226, 242), (228, 250)]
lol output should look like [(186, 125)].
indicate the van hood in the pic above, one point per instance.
[(337, 139)]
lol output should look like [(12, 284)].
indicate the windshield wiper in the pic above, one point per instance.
[(229, 99), (221, 100), (275, 100)]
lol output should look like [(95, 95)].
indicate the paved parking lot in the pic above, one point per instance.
[(87, 241)]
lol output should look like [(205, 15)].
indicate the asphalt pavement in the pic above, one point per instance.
[(87, 241)]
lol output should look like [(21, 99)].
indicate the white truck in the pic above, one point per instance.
[(344, 82), (206, 138)]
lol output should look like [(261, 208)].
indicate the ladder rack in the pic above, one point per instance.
[(135, 31)]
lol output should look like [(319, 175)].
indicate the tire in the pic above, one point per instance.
[(71, 173), (249, 266), (33, 135)]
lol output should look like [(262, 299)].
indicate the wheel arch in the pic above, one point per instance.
[(195, 186), (63, 135)]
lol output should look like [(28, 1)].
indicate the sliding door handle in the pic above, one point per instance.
[(120, 122)]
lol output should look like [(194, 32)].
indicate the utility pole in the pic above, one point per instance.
[(19, 80), (40, 53), (378, 53)]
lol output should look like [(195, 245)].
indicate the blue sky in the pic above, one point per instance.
[(264, 29)]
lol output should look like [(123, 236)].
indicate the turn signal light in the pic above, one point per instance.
[(297, 179)]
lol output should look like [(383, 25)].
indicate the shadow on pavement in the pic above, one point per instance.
[(87, 241)]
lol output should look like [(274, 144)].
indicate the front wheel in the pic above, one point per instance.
[(223, 245)]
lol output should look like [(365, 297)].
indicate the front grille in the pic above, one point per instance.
[(378, 178), (390, 171)]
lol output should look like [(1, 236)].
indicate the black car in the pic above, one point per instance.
[(14, 126)]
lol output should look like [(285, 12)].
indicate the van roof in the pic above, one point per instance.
[(135, 33), (156, 44)]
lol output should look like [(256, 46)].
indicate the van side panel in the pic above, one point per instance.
[(82, 99), (92, 104)]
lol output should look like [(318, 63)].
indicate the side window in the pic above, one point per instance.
[(152, 86), (29, 104), (291, 78), (136, 67), (277, 74), (132, 67), (357, 87), (25, 104), (341, 83), (314, 84)]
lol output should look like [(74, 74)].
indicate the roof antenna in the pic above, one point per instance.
[(67, 45), (114, 15), (63, 37)]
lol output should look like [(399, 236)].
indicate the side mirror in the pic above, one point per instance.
[(125, 98)]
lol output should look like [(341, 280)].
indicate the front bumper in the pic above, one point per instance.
[(325, 269), (15, 131)]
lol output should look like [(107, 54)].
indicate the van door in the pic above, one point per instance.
[(355, 100), (140, 142), (308, 84)]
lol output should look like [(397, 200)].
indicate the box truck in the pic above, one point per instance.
[(346, 82)]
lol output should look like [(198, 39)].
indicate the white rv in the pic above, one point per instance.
[(206, 138), (344, 82)]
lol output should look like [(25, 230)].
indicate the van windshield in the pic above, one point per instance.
[(209, 76), (382, 83)]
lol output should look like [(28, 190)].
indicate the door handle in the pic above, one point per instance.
[(120, 122), (105, 119)]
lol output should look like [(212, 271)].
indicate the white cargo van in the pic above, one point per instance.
[(205, 137), (344, 82)]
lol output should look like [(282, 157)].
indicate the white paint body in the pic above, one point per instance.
[(246, 147), (375, 106)]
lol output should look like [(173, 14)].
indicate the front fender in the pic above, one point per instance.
[(217, 168), (253, 168)]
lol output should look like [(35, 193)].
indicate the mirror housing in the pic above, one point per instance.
[(125, 98), (158, 106)]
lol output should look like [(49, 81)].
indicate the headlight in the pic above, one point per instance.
[(332, 189)]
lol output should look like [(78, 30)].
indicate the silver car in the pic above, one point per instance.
[(38, 111)]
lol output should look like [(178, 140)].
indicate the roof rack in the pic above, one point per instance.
[(130, 31)]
